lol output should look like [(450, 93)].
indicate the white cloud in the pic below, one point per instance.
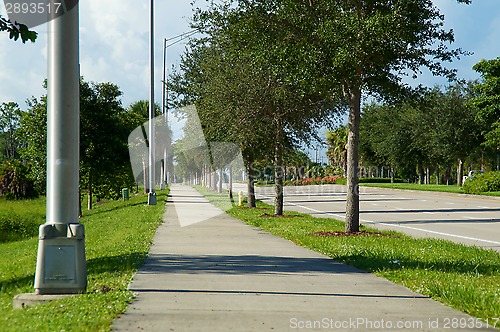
[(476, 28), (489, 47), (20, 77), (114, 47)]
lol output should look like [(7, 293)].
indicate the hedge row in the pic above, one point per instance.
[(481, 183), (337, 179)]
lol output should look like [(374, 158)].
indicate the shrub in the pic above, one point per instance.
[(480, 183), (332, 179), (323, 171), (14, 181), (337, 179)]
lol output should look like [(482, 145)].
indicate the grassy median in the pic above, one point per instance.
[(118, 237), (426, 187), (420, 187), (463, 277)]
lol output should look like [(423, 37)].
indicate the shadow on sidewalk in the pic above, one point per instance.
[(242, 264), (237, 292)]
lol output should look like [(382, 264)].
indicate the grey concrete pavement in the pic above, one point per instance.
[(219, 274), (472, 220)]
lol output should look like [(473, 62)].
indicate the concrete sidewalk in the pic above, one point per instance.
[(223, 275)]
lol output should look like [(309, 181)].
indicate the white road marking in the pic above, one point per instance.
[(394, 225)]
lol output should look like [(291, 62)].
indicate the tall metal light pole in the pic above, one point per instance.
[(61, 266), (152, 145), (164, 109), (166, 138)]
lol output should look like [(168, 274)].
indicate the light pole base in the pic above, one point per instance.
[(151, 198), (61, 267), (162, 186), (28, 300)]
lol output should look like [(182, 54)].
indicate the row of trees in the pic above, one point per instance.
[(104, 124), (438, 131), (443, 131), (268, 73)]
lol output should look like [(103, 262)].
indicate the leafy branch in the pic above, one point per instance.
[(17, 30)]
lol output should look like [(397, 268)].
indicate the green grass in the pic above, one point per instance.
[(426, 187), (20, 219), (415, 186), (118, 238), (466, 278), (491, 193)]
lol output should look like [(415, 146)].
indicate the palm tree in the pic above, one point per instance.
[(337, 152)]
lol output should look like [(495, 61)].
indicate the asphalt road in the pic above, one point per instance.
[(472, 220)]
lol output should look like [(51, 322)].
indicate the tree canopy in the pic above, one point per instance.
[(250, 84), (331, 51), (104, 159), (436, 130), (487, 101)]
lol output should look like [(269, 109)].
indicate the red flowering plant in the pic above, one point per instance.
[(330, 179)]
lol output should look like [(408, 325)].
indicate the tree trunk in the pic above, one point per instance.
[(214, 178), (278, 170), (80, 213), (89, 200), (428, 175), (460, 171), (145, 177), (250, 188), (437, 174), (231, 182), (352, 200), (209, 177), (204, 176), (220, 179), (162, 174), (421, 178)]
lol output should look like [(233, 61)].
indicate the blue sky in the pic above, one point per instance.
[(114, 45)]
